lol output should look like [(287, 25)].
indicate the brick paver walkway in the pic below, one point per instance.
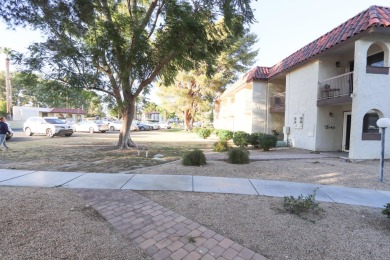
[(162, 233)]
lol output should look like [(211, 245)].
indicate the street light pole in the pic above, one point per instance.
[(383, 123), (382, 162)]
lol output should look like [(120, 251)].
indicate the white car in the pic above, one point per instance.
[(154, 125), (117, 126), (49, 126), (91, 126), (164, 125)]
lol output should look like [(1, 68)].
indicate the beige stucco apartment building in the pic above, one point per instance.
[(327, 96)]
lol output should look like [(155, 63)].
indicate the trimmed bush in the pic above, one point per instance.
[(194, 158), (204, 132), (238, 156), (386, 211), (221, 146), (224, 135), (255, 139), (240, 138), (267, 141)]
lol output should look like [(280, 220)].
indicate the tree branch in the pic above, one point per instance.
[(155, 72)]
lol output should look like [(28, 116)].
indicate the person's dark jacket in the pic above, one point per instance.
[(4, 128)]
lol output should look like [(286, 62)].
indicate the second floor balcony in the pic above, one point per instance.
[(336, 90)]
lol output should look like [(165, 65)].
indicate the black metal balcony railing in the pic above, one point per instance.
[(335, 87), (277, 103)]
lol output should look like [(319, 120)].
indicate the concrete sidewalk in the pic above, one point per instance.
[(353, 196)]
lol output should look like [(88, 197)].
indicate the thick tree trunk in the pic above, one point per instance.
[(127, 117), (187, 118)]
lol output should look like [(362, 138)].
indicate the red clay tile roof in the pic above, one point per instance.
[(374, 16), (257, 73), (68, 110)]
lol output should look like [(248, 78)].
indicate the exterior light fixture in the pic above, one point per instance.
[(382, 123)]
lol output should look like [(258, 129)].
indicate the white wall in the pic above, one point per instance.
[(235, 112), (22, 113), (371, 91), (301, 99), (331, 138), (243, 110)]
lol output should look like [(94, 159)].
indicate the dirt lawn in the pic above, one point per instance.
[(258, 222)]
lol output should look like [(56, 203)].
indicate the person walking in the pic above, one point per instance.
[(4, 130)]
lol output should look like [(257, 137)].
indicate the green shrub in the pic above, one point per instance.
[(254, 139), (386, 211), (267, 141), (196, 129), (204, 132), (302, 205), (224, 135), (238, 156), (240, 138), (194, 158), (221, 146)]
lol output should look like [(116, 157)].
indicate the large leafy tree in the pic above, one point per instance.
[(192, 93), (31, 89), (120, 47)]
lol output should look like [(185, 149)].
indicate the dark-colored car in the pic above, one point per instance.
[(144, 127)]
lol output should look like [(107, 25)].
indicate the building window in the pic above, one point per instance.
[(370, 129), (376, 60)]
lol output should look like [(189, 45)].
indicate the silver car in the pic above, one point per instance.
[(9, 136), (91, 126)]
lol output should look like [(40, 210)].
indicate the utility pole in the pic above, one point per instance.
[(8, 87)]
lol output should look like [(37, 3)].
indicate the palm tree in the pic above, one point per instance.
[(8, 94)]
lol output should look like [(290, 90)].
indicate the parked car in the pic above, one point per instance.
[(117, 125), (153, 124), (164, 125), (49, 126), (144, 127), (91, 126), (134, 126), (9, 136)]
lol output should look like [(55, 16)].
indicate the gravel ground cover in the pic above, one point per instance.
[(259, 223), (39, 223)]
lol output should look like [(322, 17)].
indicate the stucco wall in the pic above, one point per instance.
[(301, 99), (243, 110), (371, 91), (235, 110), (22, 113), (225, 114), (329, 136)]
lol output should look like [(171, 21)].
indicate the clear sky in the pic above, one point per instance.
[(283, 26)]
